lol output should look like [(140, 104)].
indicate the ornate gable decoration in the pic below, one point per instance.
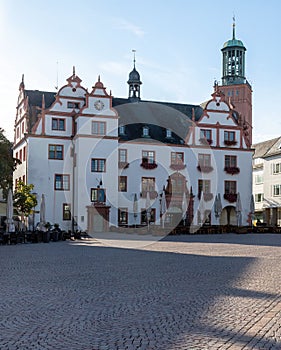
[(99, 89), (218, 111), (99, 102)]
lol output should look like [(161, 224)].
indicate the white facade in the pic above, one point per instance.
[(71, 153)]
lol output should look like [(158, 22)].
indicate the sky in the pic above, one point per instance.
[(178, 50)]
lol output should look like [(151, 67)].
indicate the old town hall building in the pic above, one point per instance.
[(103, 161)]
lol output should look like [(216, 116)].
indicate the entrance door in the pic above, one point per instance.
[(98, 218), (98, 225)]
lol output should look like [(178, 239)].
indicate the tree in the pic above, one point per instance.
[(7, 163), (24, 200)]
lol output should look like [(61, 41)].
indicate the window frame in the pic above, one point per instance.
[(206, 158), (228, 184), (125, 211), (230, 162), (204, 133), (120, 150), (148, 184), (65, 179), (58, 126), (55, 152), (66, 213), (101, 165), (121, 181), (149, 158), (227, 137), (98, 195), (101, 128), (175, 159), (274, 188)]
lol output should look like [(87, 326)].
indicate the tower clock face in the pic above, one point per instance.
[(99, 105)]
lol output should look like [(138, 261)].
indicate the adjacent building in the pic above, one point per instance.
[(105, 161), (267, 181)]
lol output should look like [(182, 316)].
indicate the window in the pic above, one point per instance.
[(177, 157), (151, 215), (148, 157), (122, 130), (122, 187), (21, 155), (230, 187), (55, 151), (73, 105), (122, 155), (205, 186), (276, 190), (229, 136), (24, 153), (168, 133), (122, 216), (58, 124), (145, 131), (230, 161), (22, 127), (18, 132), (147, 184), (66, 212), (62, 182), (277, 168), (204, 160), (23, 179), (258, 197), (98, 165), (98, 195), (206, 133), (258, 179), (98, 128)]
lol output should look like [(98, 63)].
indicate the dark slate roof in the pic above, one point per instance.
[(34, 101), (267, 148), (158, 116), (35, 97)]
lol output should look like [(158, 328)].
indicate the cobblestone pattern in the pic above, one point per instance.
[(186, 292)]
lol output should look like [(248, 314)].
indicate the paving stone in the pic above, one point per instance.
[(207, 292)]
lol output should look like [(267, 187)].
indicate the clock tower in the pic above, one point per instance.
[(234, 83)]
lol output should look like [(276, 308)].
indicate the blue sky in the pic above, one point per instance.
[(178, 47)]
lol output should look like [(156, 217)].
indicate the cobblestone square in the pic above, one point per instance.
[(183, 292)]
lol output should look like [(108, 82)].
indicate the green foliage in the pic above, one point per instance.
[(7, 163), (24, 200)]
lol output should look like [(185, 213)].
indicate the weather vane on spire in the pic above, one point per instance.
[(233, 30), (134, 51)]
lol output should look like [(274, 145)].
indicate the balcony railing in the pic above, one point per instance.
[(177, 166), (205, 168), (152, 194), (230, 197), (148, 166), (232, 170), (230, 142)]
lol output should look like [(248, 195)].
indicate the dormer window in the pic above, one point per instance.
[(72, 105), (168, 133), (145, 131), (122, 130)]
